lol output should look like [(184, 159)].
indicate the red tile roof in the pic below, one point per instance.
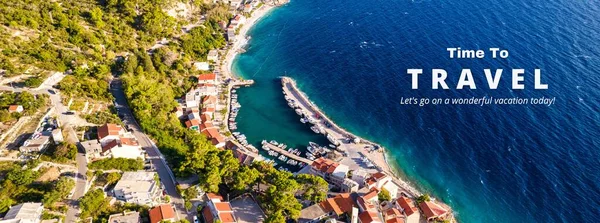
[(209, 99), (368, 216), (207, 77), (324, 165), (214, 196), (129, 141), (108, 146), (210, 109), (432, 210), (108, 130), (204, 118), (226, 217), (207, 215), (373, 193), (407, 205), (222, 206), (342, 203), (161, 212), (13, 108), (395, 220)]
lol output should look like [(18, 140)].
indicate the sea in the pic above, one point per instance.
[(490, 163)]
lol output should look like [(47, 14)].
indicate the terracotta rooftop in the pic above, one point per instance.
[(407, 205), (368, 217), (342, 203), (207, 77), (129, 141), (160, 213), (324, 165), (373, 193), (108, 130), (108, 146), (432, 210)]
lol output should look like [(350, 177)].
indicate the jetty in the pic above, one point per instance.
[(288, 154), (357, 149)]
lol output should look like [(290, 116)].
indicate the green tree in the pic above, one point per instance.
[(22, 177), (92, 203), (423, 198), (315, 188), (96, 15), (277, 217), (245, 177), (112, 177), (384, 195)]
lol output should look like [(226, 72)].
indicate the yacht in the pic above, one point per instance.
[(315, 129)]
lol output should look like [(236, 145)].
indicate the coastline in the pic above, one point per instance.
[(241, 39), (378, 157)]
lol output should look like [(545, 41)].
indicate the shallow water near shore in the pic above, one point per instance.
[(496, 163)]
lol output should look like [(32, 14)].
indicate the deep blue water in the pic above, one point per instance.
[(496, 163)]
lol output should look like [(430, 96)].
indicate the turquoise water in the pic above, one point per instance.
[(510, 163)]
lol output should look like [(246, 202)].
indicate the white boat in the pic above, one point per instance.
[(263, 142), (303, 120), (310, 156), (334, 141), (315, 129), (298, 111), (266, 148), (283, 158)]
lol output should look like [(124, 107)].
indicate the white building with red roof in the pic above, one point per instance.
[(15, 108), (331, 171), (218, 210), (210, 78), (118, 143), (408, 208), (433, 211), (381, 181)]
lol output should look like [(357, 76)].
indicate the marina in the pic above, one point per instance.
[(357, 153), (284, 154)]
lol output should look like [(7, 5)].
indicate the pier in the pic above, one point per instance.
[(355, 147), (288, 154)]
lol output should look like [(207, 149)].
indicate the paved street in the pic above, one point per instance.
[(158, 161)]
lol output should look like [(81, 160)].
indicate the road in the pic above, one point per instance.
[(67, 122), (158, 161)]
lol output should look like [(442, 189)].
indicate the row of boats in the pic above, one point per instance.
[(282, 157), (317, 126), (235, 108), (241, 138)]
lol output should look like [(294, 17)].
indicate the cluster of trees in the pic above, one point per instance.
[(103, 117), (31, 103), (88, 82), (18, 185), (62, 153), (122, 164), (202, 39)]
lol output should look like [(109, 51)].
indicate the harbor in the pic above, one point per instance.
[(355, 152)]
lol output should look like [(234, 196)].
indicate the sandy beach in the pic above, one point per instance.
[(241, 39)]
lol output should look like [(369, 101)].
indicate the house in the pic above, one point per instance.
[(369, 217), (230, 34), (118, 143), (360, 176), (161, 213), (15, 108), (191, 98), (213, 134), (338, 205), (92, 148), (312, 214), (24, 213), (179, 112), (218, 210), (109, 132), (139, 188), (238, 20), (394, 215), (349, 186), (209, 111), (57, 136), (407, 206), (368, 209), (206, 89), (207, 79), (381, 181), (124, 147), (125, 217), (193, 124), (209, 101), (213, 55), (37, 143), (433, 211), (331, 171)]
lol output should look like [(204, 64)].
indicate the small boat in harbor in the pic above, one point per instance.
[(298, 111), (303, 120), (283, 158), (315, 129)]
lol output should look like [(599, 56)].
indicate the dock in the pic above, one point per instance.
[(356, 148), (288, 154)]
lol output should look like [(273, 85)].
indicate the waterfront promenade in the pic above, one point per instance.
[(355, 150)]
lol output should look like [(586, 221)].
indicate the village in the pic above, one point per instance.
[(117, 160)]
